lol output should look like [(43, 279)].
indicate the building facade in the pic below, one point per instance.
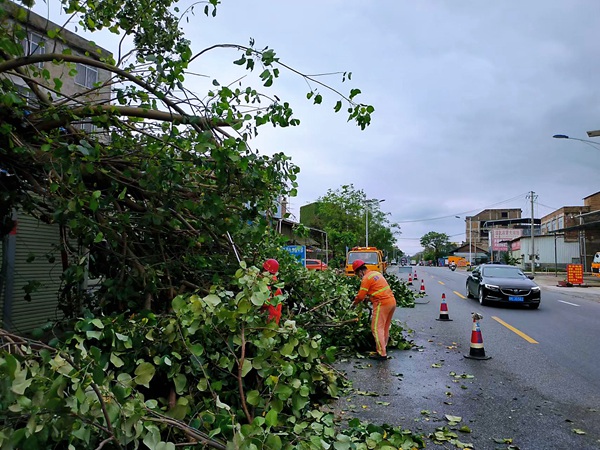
[(578, 225), (32, 251), (477, 227)]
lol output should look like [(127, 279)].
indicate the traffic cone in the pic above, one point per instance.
[(415, 276), (422, 287), (410, 279), (444, 310), (476, 351)]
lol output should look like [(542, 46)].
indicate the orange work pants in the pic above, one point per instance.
[(380, 325)]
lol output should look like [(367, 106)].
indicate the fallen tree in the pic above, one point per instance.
[(164, 202)]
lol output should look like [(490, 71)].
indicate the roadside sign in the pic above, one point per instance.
[(575, 273), (297, 251), (403, 261)]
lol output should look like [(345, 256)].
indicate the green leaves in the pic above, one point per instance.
[(144, 373), (185, 362)]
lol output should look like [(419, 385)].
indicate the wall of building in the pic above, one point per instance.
[(564, 217), (38, 42), (308, 214), (551, 253), (35, 252), (478, 233), (593, 202), (36, 263)]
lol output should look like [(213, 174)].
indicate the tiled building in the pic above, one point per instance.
[(477, 227), (31, 252), (577, 224)]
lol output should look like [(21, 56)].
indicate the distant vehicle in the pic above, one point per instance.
[(500, 283), (393, 262), (596, 265), (459, 261), (315, 264), (372, 256), (413, 262)]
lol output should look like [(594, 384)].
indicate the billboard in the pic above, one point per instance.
[(297, 251), (503, 234)]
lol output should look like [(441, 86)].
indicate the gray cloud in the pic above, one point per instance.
[(467, 94)]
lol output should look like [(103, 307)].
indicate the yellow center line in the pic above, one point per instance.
[(513, 329), (460, 295), (441, 282)]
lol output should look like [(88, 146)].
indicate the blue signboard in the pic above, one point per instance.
[(298, 251)]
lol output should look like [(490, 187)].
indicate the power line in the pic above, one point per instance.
[(418, 239), (546, 206), (462, 213)]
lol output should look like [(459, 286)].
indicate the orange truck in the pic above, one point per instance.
[(372, 256), (458, 260)]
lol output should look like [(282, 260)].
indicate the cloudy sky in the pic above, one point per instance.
[(467, 96)]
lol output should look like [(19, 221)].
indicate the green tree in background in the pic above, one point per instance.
[(342, 214), (435, 245)]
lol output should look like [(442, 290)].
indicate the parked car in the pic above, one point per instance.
[(315, 264), (501, 283)]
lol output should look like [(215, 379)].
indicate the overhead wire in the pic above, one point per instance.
[(462, 213)]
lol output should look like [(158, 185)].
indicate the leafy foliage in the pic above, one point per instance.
[(507, 258), (435, 243), (405, 296), (157, 194), (153, 196), (213, 371), (342, 214)]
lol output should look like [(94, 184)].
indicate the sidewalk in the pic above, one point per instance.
[(589, 290), (549, 279)]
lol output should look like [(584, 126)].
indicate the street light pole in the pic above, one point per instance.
[(592, 144), (367, 218), (367, 226)]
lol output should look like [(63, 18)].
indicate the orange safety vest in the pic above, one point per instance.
[(377, 288)]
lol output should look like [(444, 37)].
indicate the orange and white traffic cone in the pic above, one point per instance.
[(410, 279), (444, 310), (415, 276), (422, 287), (476, 351)]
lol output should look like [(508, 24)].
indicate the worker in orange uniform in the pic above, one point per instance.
[(377, 289), (272, 305)]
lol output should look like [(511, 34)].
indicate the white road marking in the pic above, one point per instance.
[(568, 303)]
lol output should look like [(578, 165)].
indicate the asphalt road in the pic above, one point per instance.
[(540, 389)]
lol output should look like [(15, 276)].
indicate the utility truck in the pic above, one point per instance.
[(372, 256)]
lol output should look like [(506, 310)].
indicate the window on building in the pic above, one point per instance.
[(28, 96), (561, 222), (34, 44), (86, 76), (504, 214), (88, 127)]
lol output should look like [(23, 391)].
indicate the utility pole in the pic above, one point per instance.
[(531, 196), (470, 239)]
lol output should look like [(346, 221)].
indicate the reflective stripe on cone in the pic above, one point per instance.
[(444, 317), (476, 350)]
